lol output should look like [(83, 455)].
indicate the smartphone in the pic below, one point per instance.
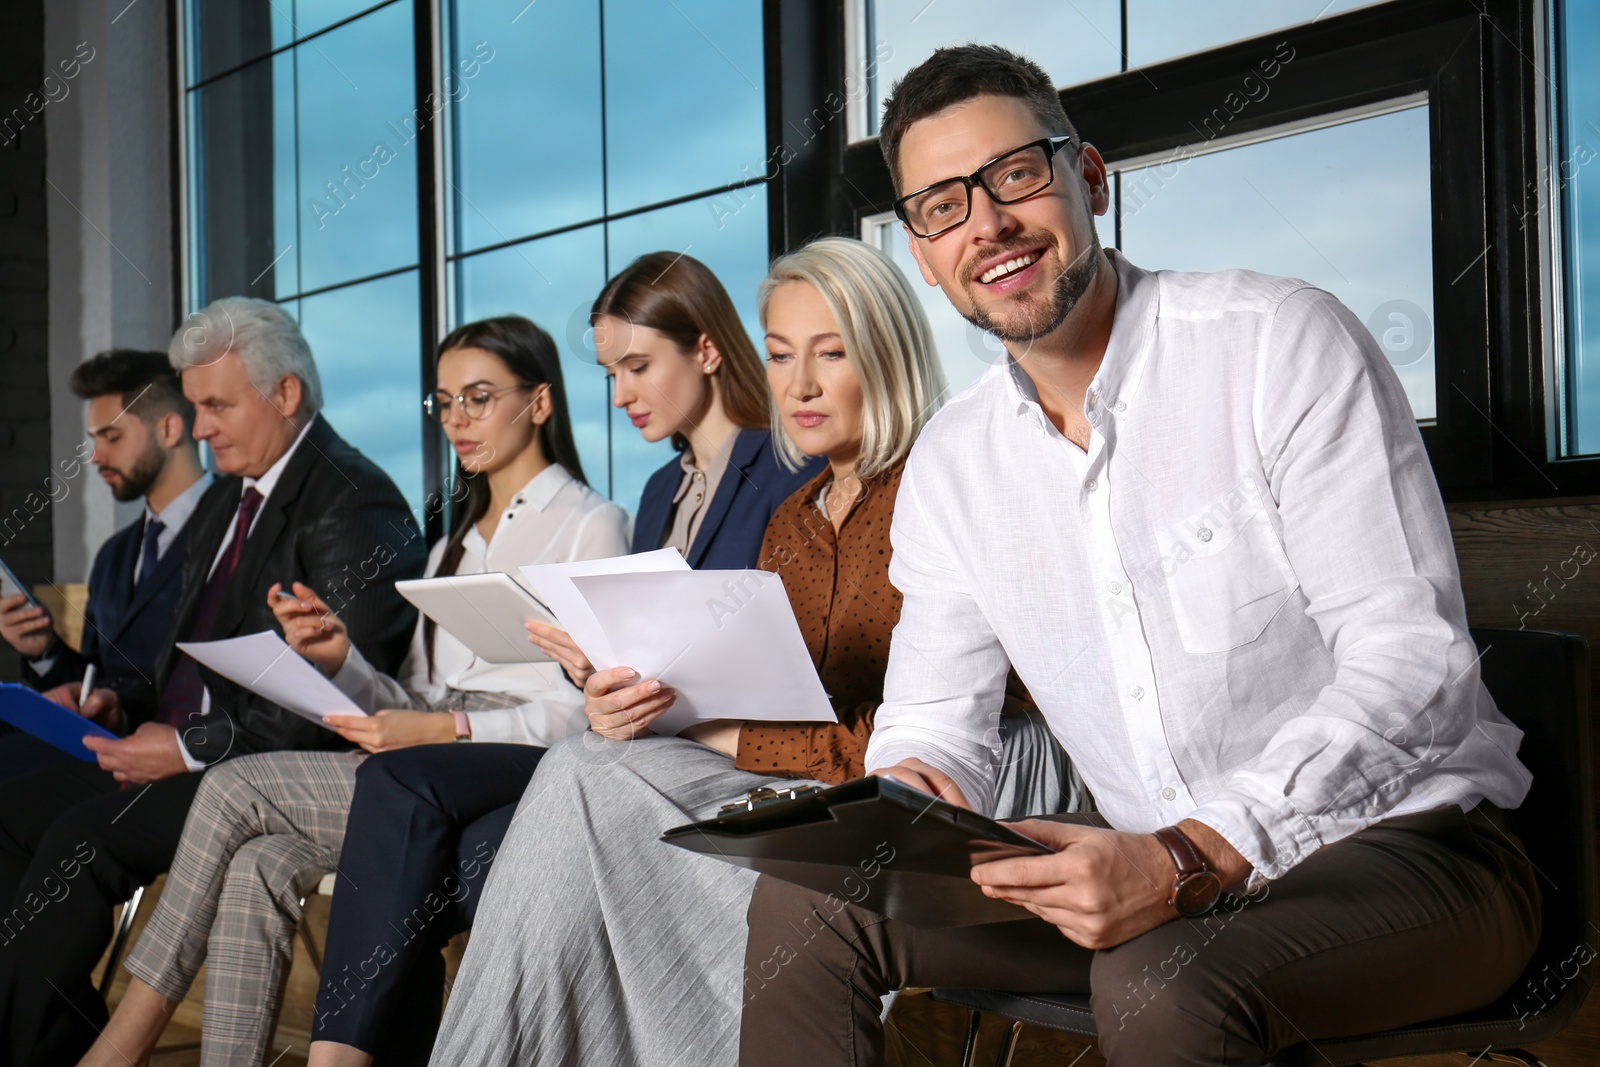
[(10, 585)]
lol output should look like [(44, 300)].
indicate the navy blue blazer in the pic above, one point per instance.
[(730, 535), (123, 633)]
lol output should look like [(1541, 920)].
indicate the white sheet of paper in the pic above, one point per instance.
[(552, 583), (267, 667), (726, 641)]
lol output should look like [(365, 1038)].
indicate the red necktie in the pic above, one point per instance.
[(180, 699)]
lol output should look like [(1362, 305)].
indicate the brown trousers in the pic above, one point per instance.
[(1415, 918)]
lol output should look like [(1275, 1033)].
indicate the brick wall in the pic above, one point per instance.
[(25, 530)]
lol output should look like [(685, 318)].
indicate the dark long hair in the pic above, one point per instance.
[(532, 357), (678, 295)]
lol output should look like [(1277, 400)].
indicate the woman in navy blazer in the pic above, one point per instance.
[(426, 822)]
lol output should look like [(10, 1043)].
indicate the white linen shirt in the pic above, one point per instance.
[(554, 519), (1241, 605)]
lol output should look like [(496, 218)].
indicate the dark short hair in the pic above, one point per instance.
[(955, 75), (145, 381)]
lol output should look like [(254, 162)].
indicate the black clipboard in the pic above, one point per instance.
[(875, 843)]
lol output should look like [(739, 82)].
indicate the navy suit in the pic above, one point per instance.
[(124, 631), (435, 810), (729, 537)]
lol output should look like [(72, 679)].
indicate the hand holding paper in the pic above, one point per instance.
[(266, 666)]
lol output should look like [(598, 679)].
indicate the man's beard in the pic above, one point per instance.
[(1028, 320), (146, 469)]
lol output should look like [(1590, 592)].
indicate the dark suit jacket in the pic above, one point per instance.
[(753, 486), (123, 633), (334, 521)]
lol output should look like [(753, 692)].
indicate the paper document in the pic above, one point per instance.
[(552, 583), (49, 721), (267, 667), (483, 611), (726, 641)]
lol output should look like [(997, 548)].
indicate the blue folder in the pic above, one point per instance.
[(49, 721)]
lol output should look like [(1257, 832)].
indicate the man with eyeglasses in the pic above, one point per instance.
[(1194, 512)]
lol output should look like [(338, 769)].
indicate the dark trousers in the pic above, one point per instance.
[(1418, 917), (22, 753), (72, 846), (423, 831)]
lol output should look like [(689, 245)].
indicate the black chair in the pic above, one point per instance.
[(1540, 680)]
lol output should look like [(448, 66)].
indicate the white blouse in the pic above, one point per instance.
[(553, 519)]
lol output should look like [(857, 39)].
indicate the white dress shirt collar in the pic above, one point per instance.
[(268, 481), (179, 508), (1122, 366)]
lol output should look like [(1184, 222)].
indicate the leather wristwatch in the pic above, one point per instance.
[(1196, 887)]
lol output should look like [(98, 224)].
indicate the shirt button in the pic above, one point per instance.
[(1119, 406), (1137, 692), (1203, 533), (1169, 793), (1091, 485), (1115, 587)]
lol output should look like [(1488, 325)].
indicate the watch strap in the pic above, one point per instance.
[(1185, 856)]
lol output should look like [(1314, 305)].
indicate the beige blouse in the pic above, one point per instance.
[(693, 498)]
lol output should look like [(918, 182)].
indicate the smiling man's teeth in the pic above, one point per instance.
[(1000, 270)]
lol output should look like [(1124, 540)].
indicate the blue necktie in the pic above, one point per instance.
[(151, 554)]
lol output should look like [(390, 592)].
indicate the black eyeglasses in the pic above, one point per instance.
[(477, 401), (1015, 175)]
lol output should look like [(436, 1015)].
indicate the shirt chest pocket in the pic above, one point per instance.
[(1227, 575)]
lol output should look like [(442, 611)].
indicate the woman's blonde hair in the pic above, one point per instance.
[(886, 339)]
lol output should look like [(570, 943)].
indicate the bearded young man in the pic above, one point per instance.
[(139, 424), (1194, 512)]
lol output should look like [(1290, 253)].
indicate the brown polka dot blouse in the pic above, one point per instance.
[(839, 587)]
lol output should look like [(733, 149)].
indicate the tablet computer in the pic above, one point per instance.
[(485, 612)]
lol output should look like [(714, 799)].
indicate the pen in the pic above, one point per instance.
[(88, 685), (284, 594)]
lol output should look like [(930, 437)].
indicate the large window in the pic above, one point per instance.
[(1352, 144), (303, 190), (597, 133), (1302, 200), (387, 177)]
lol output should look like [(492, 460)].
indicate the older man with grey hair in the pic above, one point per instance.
[(294, 502)]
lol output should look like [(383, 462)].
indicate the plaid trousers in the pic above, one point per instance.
[(263, 831)]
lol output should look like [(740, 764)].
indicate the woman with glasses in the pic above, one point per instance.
[(265, 829), (426, 824)]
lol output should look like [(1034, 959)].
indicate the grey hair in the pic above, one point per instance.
[(886, 338), (261, 333)]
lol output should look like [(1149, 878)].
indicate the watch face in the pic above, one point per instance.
[(1197, 893)]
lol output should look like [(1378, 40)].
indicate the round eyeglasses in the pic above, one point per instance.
[(476, 400), (1007, 178)]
